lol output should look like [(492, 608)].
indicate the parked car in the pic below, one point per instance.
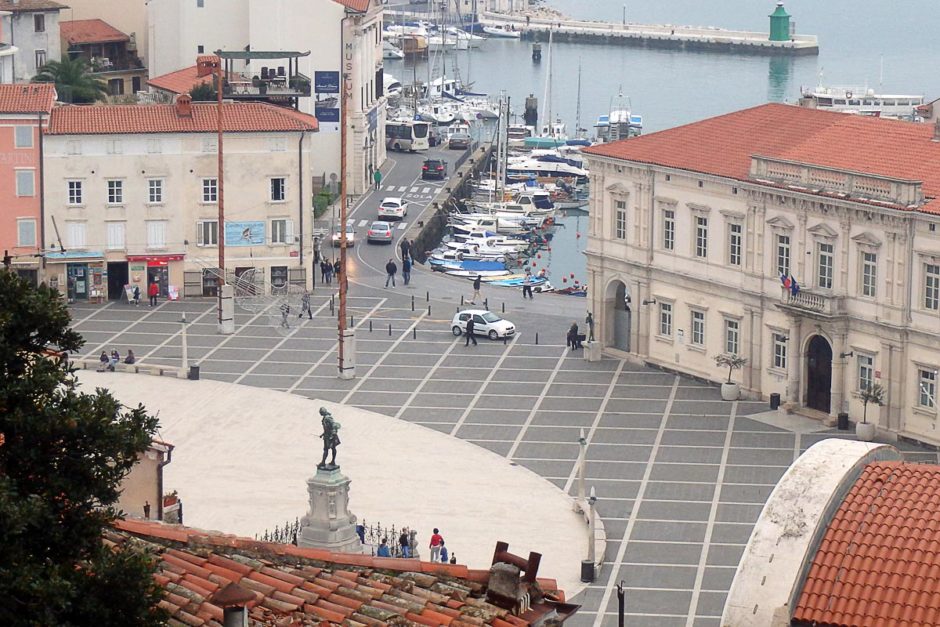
[(396, 208), (459, 141), (484, 323), (380, 232), (434, 169), (337, 236)]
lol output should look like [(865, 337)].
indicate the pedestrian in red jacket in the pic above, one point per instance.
[(153, 292)]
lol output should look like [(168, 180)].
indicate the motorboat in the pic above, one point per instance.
[(396, 31), (502, 31), (390, 51), (486, 248), (861, 101), (451, 254), (619, 123), (442, 43), (526, 166), (469, 265), (489, 223), (473, 41), (392, 86), (488, 237), (439, 114), (518, 134), (472, 274)]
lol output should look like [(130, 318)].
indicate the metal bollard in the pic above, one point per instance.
[(370, 326), (486, 303), (414, 333), (427, 296), (461, 300), (429, 310), (504, 306), (352, 322), (536, 337), (389, 329), (331, 308), (412, 302)]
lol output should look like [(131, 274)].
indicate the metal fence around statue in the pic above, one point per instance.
[(371, 536)]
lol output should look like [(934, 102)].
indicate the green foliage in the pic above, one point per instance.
[(321, 202), (874, 394), (62, 456), (73, 80), (204, 92), (731, 362)]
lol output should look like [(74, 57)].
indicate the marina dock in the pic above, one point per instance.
[(665, 36)]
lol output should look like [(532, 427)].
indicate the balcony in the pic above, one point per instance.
[(277, 79), (815, 304)]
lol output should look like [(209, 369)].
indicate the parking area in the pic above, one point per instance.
[(680, 475)]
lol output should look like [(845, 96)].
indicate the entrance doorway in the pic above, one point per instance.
[(118, 277), (159, 275), (619, 316), (818, 374), (77, 276)]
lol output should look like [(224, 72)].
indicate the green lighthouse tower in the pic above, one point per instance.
[(779, 24)]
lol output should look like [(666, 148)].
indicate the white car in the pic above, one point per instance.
[(337, 236), (393, 208), (484, 323)]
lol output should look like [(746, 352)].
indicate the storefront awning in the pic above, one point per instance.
[(74, 256), (174, 257)]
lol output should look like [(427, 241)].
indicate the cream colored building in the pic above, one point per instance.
[(134, 193), (343, 36), (692, 229)]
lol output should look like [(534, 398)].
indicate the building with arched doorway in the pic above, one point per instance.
[(807, 242)]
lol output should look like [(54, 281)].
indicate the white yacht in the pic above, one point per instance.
[(861, 101), (501, 31)]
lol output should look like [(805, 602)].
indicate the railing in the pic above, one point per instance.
[(293, 87), (823, 304), (371, 536)]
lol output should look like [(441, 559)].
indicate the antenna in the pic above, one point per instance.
[(881, 72)]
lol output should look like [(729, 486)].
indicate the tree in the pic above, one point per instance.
[(204, 92), (63, 454), (874, 394), (74, 80), (730, 361)]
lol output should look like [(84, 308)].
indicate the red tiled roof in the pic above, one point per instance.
[(30, 5), (180, 81), (879, 562), (356, 5), (314, 585), (163, 118), (724, 145), (27, 98), (90, 32)]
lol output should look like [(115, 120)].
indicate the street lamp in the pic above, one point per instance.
[(582, 449), (587, 566), (185, 368)]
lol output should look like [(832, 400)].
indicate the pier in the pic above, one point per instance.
[(665, 36)]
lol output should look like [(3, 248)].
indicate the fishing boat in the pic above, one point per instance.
[(468, 265), (619, 123), (501, 31), (517, 281)]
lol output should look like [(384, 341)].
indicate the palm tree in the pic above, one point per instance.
[(74, 81)]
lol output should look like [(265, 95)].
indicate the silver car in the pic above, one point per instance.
[(380, 232)]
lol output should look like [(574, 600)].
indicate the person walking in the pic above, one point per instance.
[(405, 246), (377, 177), (437, 541), (390, 270), (403, 543), (406, 270), (383, 549), (527, 285), (470, 335), (153, 291), (337, 271), (285, 311), (137, 296), (328, 269), (476, 290), (324, 273), (305, 305)]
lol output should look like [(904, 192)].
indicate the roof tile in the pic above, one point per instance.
[(27, 98), (94, 31), (723, 146), (871, 568), (17, 6)]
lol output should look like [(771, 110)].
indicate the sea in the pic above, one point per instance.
[(885, 46)]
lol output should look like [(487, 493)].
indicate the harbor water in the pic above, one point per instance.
[(887, 46)]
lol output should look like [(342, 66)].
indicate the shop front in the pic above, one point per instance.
[(78, 274), (163, 270)]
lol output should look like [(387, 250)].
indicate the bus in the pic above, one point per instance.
[(410, 135)]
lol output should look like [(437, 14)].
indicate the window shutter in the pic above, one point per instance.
[(289, 238), (199, 234)]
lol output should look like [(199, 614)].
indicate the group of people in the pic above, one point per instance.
[(439, 552), (152, 292), (407, 263), (108, 362), (575, 338), (327, 270)]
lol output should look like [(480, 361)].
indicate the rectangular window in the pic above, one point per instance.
[(207, 233), (278, 276), (39, 22), (156, 233), (701, 237), (931, 286), (40, 59), (669, 229), (825, 262), (210, 190), (783, 255), (26, 232), (75, 192), (73, 147), (114, 147), (735, 234), (23, 136), (116, 231), (698, 328), (866, 372), (210, 144), (279, 232), (25, 183), (76, 234), (780, 351), (620, 219), (153, 146), (155, 191), (116, 87), (927, 388), (278, 189), (869, 274), (665, 319), (115, 192), (732, 336)]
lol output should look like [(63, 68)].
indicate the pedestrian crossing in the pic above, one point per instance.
[(402, 225), (414, 189)]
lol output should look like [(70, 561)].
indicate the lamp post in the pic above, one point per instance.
[(582, 450), (185, 345), (587, 566)]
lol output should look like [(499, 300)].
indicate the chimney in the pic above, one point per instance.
[(233, 599), (936, 131), (205, 65), (184, 106)]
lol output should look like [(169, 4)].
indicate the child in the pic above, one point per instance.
[(443, 552), (137, 296)]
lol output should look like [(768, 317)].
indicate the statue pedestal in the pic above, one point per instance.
[(328, 523)]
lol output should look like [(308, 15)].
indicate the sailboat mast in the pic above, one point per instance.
[(547, 96), (577, 120)]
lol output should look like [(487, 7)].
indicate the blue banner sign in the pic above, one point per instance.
[(244, 233), (326, 82)]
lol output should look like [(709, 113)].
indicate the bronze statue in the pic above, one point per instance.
[(330, 438)]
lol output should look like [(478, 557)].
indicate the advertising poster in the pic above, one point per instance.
[(244, 233), (326, 104)]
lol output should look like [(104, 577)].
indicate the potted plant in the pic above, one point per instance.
[(729, 389), (875, 394)]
